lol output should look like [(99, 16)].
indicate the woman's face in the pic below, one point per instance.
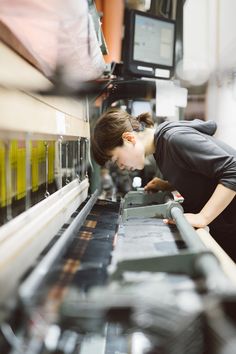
[(130, 155)]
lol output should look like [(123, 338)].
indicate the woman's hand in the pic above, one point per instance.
[(219, 200), (158, 184), (196, 220)]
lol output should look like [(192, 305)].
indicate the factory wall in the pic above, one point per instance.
[(210, 54)]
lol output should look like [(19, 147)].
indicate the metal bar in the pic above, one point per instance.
[(86, 157), (73, 172), (24, 237), (30, 285), (58, 162), (67, 162), (82, 159), (28, 172), (207, 264), (46, 194), (227, 264), (187, 232), (216, 280), (78, 160), (8, 180)]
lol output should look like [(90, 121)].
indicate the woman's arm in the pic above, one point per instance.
[(213, 159), (219, 200)]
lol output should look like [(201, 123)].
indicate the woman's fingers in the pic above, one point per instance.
[(169, 221)]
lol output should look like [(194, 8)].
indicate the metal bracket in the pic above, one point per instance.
[(135, 198), (161, 210), (184, 262)]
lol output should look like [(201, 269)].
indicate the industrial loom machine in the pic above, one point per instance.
[(81, 274)]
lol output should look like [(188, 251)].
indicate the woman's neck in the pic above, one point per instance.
[(147, 138)]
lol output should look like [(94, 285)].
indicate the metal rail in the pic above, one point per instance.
[(206, 263), (24, 237), (186, 230)]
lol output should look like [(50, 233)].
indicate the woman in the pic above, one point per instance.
[(191, 160)]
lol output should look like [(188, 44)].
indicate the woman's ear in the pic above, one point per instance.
[(129, 136)]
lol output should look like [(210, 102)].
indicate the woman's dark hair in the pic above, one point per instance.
[(108, 130)]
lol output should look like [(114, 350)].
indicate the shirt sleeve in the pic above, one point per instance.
[(201, 154)]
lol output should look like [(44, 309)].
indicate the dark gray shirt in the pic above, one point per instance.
[(195, 162)]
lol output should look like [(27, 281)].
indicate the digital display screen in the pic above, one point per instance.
[(153, 41)]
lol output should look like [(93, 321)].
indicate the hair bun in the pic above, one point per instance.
[(145, 118)]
